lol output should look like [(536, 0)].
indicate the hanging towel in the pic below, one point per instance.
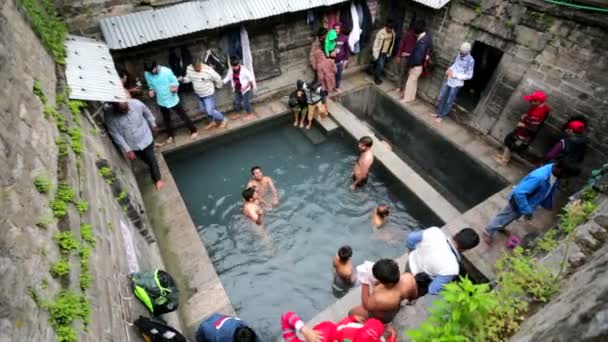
[(355, 34), (247, 59)]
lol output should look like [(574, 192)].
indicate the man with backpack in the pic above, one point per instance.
[(573, 144), (461, 70), (418, 59)]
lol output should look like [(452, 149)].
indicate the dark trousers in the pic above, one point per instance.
[(379, 67), (340, 70), (148, 157), (179, 110)]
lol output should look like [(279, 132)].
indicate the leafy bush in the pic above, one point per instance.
[(65, 192), (60, 268), (48, 25), (82, 206), (107, 174), (66, 308), (76, 140), (62, 147), (66, 333), (87, 235), (85, 276), (76, 107), (45, 221), (42, 184), (66, 242), (59, 207), (37, 90), (121, 196)]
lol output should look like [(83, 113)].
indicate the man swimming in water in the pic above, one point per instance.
[(361, 167), (263, 184), (252, 208), (392, 288), (380, 215), (344, 278)]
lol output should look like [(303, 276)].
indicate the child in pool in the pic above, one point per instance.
[(344, 277), (380, 215)]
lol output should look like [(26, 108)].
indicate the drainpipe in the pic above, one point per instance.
[(583, 7)]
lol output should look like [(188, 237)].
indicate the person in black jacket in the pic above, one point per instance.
[(299, 104), (424, 44)]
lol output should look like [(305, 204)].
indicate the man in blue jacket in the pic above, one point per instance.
[(222, 328), (536, 189)]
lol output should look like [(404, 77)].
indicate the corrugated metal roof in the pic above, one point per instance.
[(90, 71), (436, 4), (143, 27)]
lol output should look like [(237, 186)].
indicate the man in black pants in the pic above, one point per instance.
[(164, 86), (130, 125)]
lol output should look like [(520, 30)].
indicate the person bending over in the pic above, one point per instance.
[(263, 185), (222, 328), (363, 164), (252, 208)]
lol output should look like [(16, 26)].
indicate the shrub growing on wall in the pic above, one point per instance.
[(45, 21)]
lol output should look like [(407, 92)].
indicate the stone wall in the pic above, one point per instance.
[(27, 150), (545, 47)]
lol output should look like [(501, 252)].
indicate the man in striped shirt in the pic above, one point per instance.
[(204, 80)]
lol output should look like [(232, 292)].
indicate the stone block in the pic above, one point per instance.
[(462, 14), (602, 221), (576, 260), (531, 38), (585, 241)]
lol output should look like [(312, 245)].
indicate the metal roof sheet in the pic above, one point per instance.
[(90, 71), (138, 28), (436, 4)]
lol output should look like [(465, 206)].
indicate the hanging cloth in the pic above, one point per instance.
[(346, 19), (367, 26), (247, 58), (355, 34), (373, 9), (234, 45)]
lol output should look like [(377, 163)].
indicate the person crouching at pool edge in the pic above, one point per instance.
[(344, 277), (252, 209), (224, 328), (361, 167), (380, 215), (384, 301), (263, 184)]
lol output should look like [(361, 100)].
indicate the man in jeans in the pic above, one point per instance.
[(204, 80), (164, 85), (536, 189), (243, 85), (341, 53), (461, 70), (382, 50), (130, 125)]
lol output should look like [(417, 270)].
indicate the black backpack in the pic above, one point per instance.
[(157, 331)]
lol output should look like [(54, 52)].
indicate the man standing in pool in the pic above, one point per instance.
[(361, 167), (263, 184), (252, 209)]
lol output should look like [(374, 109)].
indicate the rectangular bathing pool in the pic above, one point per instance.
[(452, 172), (286, 264)]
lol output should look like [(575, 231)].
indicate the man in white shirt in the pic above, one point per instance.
[(204, 81), (461, 70), (243, 84), (433, 253)]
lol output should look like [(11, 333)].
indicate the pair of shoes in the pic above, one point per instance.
[(378, 81)]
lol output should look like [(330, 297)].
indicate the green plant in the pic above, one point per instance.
[(85, 276), (76, 106), (76, 140), (66, 333), (110, 226), (548, 241), (87, 235), (66, 307), (85, 280), (37, 90), (62, 147), (82, 206), (45, 221), (45, 21), (65, 192), (59, 208), (50, 112), (588, 194), (575, 213), (95, 132), (66, 242), (44, 284), (457, 316), (60, 268), (42, 184), (107, 174), (121, 196), (34, 295)]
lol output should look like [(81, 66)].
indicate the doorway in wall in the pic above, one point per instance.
[(486, 58)]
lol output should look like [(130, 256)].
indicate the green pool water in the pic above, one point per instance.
[(286, 264)]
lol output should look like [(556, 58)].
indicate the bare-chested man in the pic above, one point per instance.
[(263, 184), (361, 167), (344, 277), (252, 208), (385, 300), (380, 215)]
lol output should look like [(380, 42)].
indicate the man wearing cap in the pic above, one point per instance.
[(460, 71), (573, 145), (164, 85), (527, 127)]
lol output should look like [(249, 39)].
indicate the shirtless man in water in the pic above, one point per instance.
[(252, 208), (392, 288), (263, 184), (344, 277), (361, 167)]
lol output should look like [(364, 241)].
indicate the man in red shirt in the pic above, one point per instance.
[(527, 127), (408, 41)]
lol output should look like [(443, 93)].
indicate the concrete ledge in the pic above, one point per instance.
[(328, 124), (405, 174)]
